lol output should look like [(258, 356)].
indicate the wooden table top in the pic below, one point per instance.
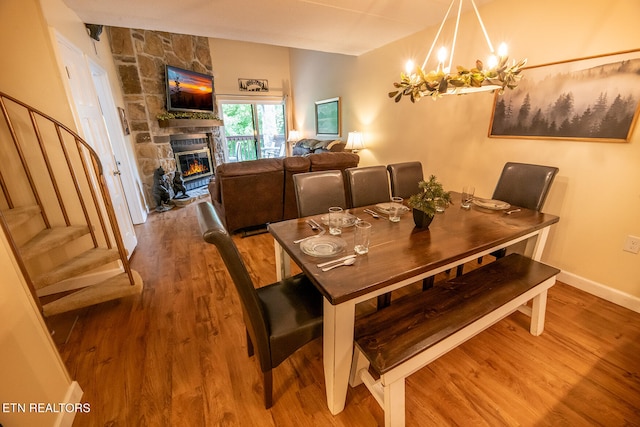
[(400, 251)]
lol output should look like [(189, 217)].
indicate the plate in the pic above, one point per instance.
[(496, 205), (347, 219), (384, 207), (323, 246)]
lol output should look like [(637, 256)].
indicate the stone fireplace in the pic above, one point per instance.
[(140, 57)]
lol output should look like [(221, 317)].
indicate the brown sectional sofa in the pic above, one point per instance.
[(256, 192)]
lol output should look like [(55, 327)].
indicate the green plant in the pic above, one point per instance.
[(436, 83), (425, 200), (186, 115)]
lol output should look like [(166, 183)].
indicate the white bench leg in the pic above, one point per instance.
[(358, 363), (538, 311), (394, 404)]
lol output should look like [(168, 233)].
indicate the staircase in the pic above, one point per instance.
[(57, 215)]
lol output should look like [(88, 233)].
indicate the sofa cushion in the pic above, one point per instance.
[(296, 164), (249, 167), (331, 161)]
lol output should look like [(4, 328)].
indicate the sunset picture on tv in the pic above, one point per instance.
[(188, 90)]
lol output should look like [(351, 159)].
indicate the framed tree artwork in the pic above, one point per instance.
[(328, 117), (588, 99)]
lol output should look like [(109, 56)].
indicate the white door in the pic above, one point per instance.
[(124, 158), (94, 131)]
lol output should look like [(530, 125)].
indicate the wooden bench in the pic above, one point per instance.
[(398, 340)]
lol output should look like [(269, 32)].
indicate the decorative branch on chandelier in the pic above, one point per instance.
[(416, 82)]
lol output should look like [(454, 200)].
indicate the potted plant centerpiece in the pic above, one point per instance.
[(424, 203)]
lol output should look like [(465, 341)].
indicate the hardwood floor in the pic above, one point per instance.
[(176, 355)]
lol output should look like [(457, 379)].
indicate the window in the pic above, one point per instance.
[(253, 129)]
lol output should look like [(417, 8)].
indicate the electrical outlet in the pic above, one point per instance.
[(632, 244)]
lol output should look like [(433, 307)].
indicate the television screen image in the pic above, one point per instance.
[(188, 90)]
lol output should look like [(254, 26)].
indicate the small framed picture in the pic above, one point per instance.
[(253, 85), (123, 120), (328, 117)]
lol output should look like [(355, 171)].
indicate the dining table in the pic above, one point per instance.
[(399, 254)]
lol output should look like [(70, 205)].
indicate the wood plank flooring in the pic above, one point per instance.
[(176, 355)]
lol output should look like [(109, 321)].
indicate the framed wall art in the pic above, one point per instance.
[(588, 99), (328, 117), (253, 85)]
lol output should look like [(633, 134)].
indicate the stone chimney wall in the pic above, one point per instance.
[(140, 57)]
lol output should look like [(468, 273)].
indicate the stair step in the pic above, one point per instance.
[(83, 263), (51, 238), (110, 289), (18, 216)]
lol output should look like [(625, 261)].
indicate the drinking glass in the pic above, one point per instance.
[(395, 209), (467, 196), (335, 220), (362, 237)]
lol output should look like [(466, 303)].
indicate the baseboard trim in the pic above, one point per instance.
[(612, 295), (73, 395)]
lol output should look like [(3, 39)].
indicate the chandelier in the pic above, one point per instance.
[(497, 74)]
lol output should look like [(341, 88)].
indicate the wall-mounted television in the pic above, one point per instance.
[(188, 90)]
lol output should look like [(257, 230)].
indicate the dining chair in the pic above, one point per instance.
[(524, 185), (317, 191), (405, 178), (367, 185), (280, 317)]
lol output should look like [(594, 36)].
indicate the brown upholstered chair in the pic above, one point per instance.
[(316, 192), (524, 185), (367, 185), (405, 178), (279, 318)]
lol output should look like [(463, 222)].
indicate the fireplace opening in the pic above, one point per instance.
[(193, 159), (194, 164)]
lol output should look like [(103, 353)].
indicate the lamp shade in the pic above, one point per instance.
[(355, 142), (294, 136)]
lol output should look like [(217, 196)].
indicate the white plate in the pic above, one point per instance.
[(384, 207), (323, 246), (496, 205), (347, 219)]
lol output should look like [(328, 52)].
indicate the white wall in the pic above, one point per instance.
[(597, 192), (233, 60)]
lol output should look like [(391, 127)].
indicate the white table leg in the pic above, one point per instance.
[(283, 262), (535, 246), (337, 352)]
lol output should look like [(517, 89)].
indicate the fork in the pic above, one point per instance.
[(373, 214)]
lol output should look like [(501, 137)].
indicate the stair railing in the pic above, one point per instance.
[(91, 176)]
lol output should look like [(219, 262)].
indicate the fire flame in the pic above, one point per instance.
[(196, 167)]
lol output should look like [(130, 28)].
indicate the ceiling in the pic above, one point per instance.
[(349, 27)]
